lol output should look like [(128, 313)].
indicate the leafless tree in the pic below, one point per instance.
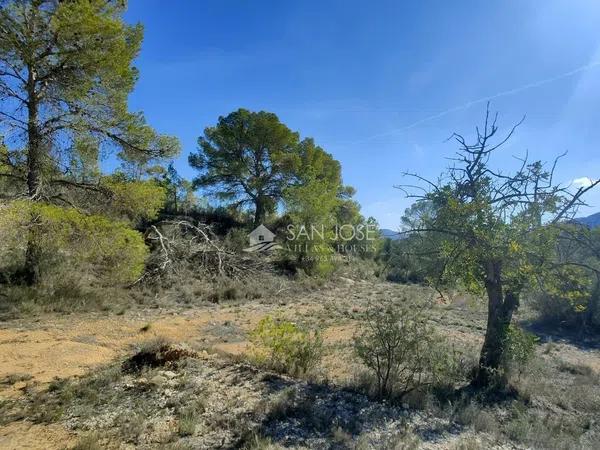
[(495, 229)]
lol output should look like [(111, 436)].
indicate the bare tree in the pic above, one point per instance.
[(494, 230)]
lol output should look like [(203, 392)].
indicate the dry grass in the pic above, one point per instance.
[(89, 442), (196, 403)]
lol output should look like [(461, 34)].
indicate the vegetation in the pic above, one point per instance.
[(286, 347), (65, 102), (63, 236), (494, 231), (573, 297), (403, 351), (519, 349), (247, 157), (210, 399), (75, 237), (65, 74)]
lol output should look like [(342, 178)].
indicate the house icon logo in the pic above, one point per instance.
[(262, 240)]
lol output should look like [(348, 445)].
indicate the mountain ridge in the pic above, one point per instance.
[(591, 221)]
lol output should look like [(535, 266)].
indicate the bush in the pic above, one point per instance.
[(316, 265), (236, 239), (133, 201), (404, 275), (570, 299), (62, 238), (89, 442), (189, 417), (519, 349), (61, 291), (554, 310), (285, 347), (403, 352)]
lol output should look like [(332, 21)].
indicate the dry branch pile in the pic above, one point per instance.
[(180, 247)]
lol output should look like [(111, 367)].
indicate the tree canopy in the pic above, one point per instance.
[(247, 158), (65, 75)]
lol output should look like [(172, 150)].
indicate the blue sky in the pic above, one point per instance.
[(381, 85)]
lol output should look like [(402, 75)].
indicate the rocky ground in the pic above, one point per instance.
[(63, 383)]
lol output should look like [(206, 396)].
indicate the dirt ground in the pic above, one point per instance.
[(33, 353), (63, 346), (53, 347)]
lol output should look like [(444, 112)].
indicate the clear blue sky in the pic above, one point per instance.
[(360, 77)]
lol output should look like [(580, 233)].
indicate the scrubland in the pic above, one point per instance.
[(184, 372)]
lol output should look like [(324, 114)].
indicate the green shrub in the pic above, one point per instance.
[(189, 417), (134, 201), (403, 351), (519, 349), (61, 291), (63, 238), (404, 275), (554, 310), (257, 442), (236, 239), (285, 347), (569, 298)]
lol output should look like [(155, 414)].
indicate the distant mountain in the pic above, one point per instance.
[(592, 221), (390, 234)]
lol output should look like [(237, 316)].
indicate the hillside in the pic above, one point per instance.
[(592, 221), (390, 234)]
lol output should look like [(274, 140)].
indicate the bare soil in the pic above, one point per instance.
[(36, 353)]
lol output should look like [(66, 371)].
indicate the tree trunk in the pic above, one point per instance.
[(260, 211), (501, 307), (34, 140), (31, 270)]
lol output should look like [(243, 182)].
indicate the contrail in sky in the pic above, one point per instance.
[(485, 100)]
